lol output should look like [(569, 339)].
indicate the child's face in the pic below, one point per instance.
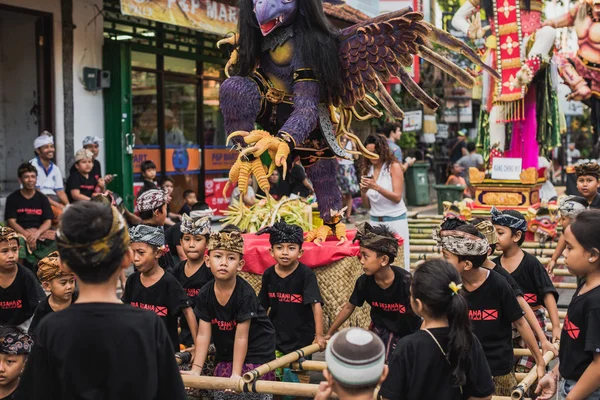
[(577, 259), (190, 199), (224, 264), (587, 186), (84, 166), (149, 174), (94, 148), (168, 186), (193, 246), (145, 257), (371, 262), (565, 222), (61, 287), (9, 254), (453, 259), (11, 367), (286, 254), (505, 238)]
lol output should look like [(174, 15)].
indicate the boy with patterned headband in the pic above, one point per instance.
[(15, 346), (113, 344), (21, 291), (587, 183), (291, 294), (528, 272), (232, 316), (153, 289), (61, 286), (385, 287), (493, 307), (193, 273)]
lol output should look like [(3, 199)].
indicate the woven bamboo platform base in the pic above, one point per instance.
[(336, 282)]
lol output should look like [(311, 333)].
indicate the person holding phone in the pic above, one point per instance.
[(381, 187)]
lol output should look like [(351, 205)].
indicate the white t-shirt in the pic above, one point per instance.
[(48, 182), (380, 205)]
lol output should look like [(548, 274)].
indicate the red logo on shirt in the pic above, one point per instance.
[(530, 298), (30, 211), (87, 187), (483, 315), (391, 307), (191, 292), (572, 330), (11, 304), (286, 297), (161, 311), (224, 325)]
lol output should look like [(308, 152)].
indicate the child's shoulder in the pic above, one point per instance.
[(26, 273), (531, 261)]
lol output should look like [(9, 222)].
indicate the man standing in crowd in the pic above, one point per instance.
[(92, 143), (28, 212), (471, 160), (457, 147), (49, 177), (393, 133)]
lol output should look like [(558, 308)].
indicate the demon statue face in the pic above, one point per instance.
[(272, 14), (542, 223)]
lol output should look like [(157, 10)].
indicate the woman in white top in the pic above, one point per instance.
[(381, 186)]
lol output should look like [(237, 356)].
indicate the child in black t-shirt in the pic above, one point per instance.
[(444, 360), (569, 208), (20, 291), (291, 295), (148, 170), (579, 355), (15, 346), (190, 200), (99, 345), (61, 286), (588, 176), (81, 185), (193, 273), (493, 307), (383, 286), (231, 315), (528, 272), (151, 288)]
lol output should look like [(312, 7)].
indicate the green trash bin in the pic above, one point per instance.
[(417, 184), (449, 193)]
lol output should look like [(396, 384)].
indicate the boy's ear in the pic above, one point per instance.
[(468, 265), (241, 264), (385, 260), (46, 285), (517, 236), (271, 252), (384, 374), (300, 252), (207, 260)]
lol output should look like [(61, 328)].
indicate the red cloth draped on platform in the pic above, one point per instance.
[(258, 259)]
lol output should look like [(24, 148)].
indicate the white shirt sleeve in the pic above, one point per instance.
[(460, 20)]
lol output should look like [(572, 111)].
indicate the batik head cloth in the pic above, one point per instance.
[(372, 241), (7, 234), (281, 232), (152, 235), (570, 206), (83, 154), (15, 342), (591, 169), (460, 243), (95, 252), (228, 241), (193, 225), (151, 200), (487, 229), (510, 221), (48, 268)]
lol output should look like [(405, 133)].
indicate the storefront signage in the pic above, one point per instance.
[(413, 121), (213, 190), (204, 15), (508, 169), (179, 160), (219, 158)]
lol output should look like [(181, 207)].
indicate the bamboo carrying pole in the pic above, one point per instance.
[(530, 378), (308, 365), (280, 362)]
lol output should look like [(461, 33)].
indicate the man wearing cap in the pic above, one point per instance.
[(92, 143), (49, 177)]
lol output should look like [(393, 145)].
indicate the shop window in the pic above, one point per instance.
[(180, 65), (143, 60)]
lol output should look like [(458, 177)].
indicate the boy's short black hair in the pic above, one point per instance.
[(187, 192), (167, 179), (516, 214), (88, 222), (199, 206), (230, 228), (25, 168), (387, 129), (471, 147), (383, 230), (149, 214), (146, 165)]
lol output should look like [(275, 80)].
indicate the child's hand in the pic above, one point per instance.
[(556, 332), (547, 387), (327, 336), (541, 370), (320, 340), (550, 268), (236, 378), (547, 346), (324, 391)]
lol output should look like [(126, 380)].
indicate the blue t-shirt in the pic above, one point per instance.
[(395, 149)]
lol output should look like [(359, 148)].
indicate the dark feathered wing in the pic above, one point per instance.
[(373, 51)]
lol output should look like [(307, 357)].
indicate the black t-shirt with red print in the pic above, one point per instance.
[(166, 298), (532, 278), (493, 307), (85, 185), (243, 305), (580, 338), (290, 302), (191, 285), (29, 213), (511, 281), (19, 300), (390, 308)]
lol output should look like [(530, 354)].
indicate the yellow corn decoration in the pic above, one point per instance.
[(318, 235), (234, 174), (259, 172), (243, 177)]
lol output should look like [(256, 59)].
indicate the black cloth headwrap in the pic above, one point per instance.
[(281, 232), (381, 244), (502, 219)]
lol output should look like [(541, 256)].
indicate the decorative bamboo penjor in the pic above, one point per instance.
[(280, 362), (531, 377)]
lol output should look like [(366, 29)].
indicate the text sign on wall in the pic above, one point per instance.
[(204, 15), (508, 169), (219, 158)]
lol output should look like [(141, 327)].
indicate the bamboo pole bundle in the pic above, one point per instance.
[(520, 376), (308, 365), (270, 387), (526, 245), (280, 362), (565, 285), (530, 378)]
